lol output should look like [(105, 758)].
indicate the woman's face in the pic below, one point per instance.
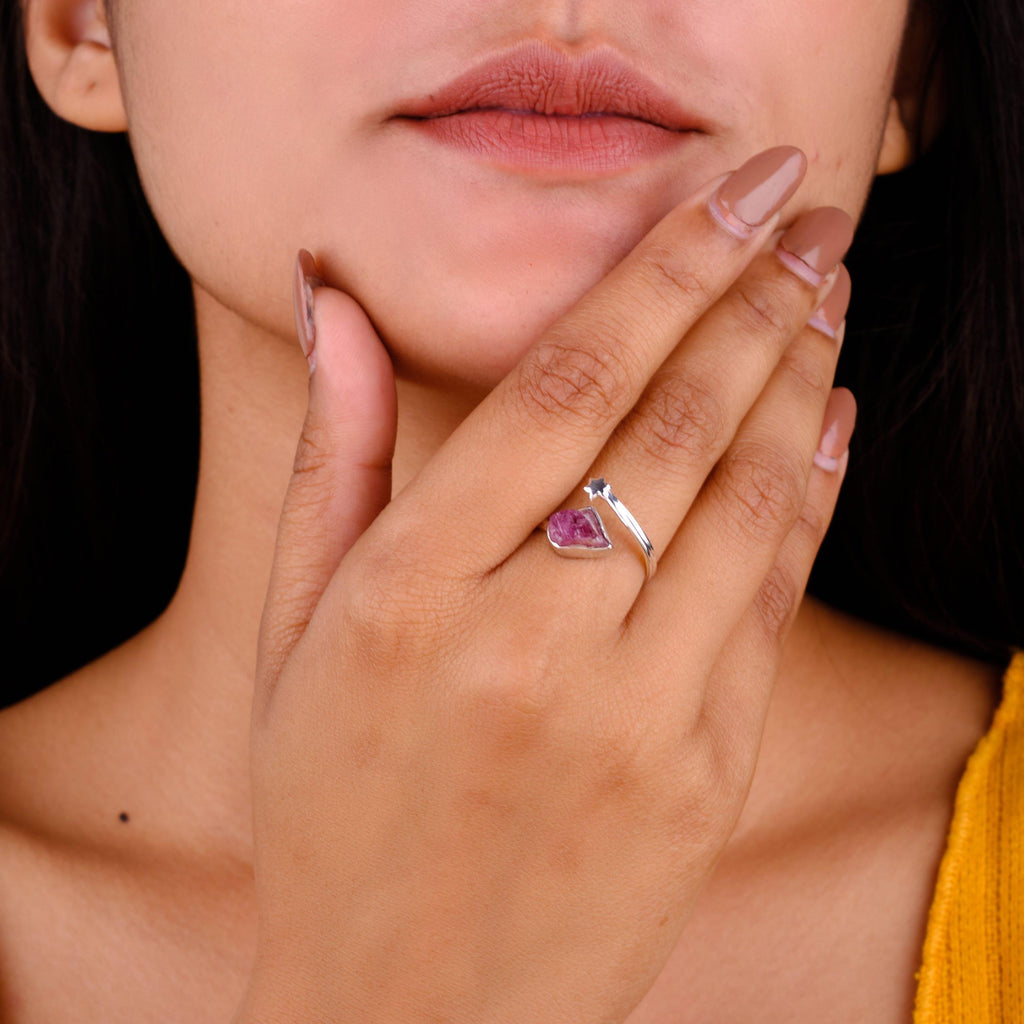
[(260, 128)]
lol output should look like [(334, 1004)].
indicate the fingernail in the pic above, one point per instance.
[(832, 311), (760, 188), (814, 245), (837, 429), (306, 279)]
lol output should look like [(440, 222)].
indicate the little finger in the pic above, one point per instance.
[(739, 688)]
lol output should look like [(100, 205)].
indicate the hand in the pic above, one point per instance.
[(490, 782)]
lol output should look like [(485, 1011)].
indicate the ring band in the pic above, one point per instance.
[(580, 533), (600, 489)]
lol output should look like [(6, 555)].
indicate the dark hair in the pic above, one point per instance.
[(99, 419), (927, 538), (99, 392)]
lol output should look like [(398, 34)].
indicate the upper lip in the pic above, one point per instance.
[(535, 78)]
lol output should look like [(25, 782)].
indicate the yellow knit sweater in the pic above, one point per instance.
[(972, 967)]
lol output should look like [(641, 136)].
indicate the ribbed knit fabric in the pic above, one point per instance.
[(972, 967)]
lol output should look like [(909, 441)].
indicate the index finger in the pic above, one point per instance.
[(529, 442)]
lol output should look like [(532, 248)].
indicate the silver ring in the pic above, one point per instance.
[(580, 532)]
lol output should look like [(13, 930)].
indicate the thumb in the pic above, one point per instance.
[(342, 473)]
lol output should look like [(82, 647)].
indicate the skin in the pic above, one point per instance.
[(439, 251), (460, 268)]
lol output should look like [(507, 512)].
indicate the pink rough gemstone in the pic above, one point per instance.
[(578, 528)]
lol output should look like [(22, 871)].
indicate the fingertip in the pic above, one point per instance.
[(306, 280), (837, 429), (346, 336), (354, 383), (757, 191), (830, 317)]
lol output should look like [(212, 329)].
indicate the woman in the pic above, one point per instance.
[(549, 245)]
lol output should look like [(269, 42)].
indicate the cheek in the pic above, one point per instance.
[(825, 69), (221, 107)]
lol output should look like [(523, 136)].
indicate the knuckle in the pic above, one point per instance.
[(812, 523), (623, 771), (672, 276), (281, 631), (510, 698), (309, 498), (573, 384), (724, 758), (716, 760), (312, 454), (807, 373), (625, 761), (395, 605), (526, 697), (703, 798), (776, 602), (683, 417), (759, 309), (764, 489)]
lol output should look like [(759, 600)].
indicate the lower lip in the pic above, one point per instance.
[(595, 143)]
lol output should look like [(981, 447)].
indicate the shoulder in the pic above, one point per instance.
[(41, 862), (90, 907)]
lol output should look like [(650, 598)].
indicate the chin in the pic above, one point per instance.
[(468, 348), (456, 333), (461, 267), (468, 309)]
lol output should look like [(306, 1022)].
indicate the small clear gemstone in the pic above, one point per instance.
[(578, 528)]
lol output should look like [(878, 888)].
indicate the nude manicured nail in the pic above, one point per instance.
[(307, 278), (814, 245), (760, 188), (832, 311), (837, 429)]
